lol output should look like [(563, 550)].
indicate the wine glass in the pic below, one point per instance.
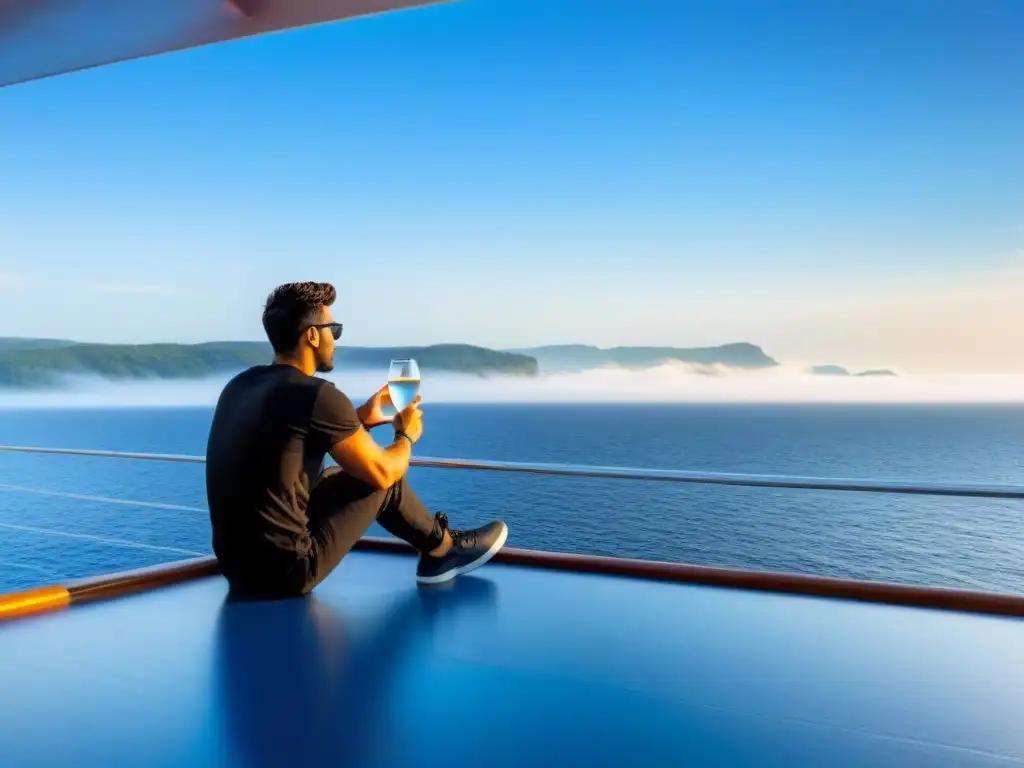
[(403, 382)]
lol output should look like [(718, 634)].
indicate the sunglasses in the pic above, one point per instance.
[(335, 328)]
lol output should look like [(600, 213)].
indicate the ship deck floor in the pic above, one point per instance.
[(509, 666)]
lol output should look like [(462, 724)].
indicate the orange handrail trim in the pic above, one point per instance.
[(34, 601)]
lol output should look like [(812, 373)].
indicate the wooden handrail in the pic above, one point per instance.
[(113, 585)]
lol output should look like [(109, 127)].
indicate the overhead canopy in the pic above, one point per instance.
[(40, 38)]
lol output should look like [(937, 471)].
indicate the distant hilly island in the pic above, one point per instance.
[(838, 370), (34, 363), (573, 358), (31, 363)]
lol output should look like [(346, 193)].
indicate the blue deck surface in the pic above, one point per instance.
[(509, 667)]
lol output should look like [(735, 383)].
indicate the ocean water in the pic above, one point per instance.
[(57, 535)]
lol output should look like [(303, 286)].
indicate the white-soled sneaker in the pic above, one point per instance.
[(470, 549)]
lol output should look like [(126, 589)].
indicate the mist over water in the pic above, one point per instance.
[(667, 383)]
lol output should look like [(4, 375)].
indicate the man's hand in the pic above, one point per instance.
[(371, 413), (360, 456), (410, 421)]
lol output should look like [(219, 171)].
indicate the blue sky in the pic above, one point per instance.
[(837, 181)]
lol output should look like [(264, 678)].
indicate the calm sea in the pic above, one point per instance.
[(51, 536)]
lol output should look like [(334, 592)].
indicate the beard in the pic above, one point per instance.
[(324, 365)]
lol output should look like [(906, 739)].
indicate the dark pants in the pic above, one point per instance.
[(340, 510)]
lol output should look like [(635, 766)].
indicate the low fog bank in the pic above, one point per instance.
[(667, 383)]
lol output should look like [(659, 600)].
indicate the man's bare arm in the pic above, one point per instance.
[(360, 456)]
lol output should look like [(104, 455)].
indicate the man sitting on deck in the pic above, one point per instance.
[(275, 533)]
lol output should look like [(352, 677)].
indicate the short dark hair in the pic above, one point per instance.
[(291, 308)]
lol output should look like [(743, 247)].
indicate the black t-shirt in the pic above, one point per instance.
[(271, 430)]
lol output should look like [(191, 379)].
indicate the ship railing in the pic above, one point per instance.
[(974, 490), (110, 585)]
